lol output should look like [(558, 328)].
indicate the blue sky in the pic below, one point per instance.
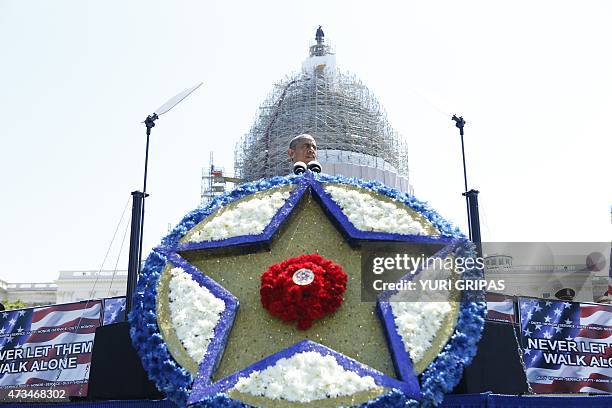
[(77, 77)]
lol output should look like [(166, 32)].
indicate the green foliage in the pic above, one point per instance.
[(18, 304)]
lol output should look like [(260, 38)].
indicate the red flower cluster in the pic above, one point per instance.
[(283, 298)]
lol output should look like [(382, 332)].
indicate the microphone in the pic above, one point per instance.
[(314, 166), (299, 168)]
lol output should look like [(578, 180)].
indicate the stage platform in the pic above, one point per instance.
[(511, 401), (452, 401), (497, 349)]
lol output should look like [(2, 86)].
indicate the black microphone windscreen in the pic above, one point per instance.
[(314, 166), (299, 167)]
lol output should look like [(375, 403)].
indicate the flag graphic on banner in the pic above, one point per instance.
[(114, 310), (567, 346), (500, 307), (49, 346)]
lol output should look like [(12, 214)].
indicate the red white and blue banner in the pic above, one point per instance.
[(567, 346), (500, 308), (48, 346)]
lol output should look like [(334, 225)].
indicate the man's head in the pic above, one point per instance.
[(303, 148)]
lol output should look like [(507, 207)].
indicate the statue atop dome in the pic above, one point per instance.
[(319, 49), (319, 35)]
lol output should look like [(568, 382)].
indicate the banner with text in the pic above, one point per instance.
[(48, 347), (567, 346)]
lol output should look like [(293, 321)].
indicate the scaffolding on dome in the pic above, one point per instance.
[(336, 108), (215, 182)]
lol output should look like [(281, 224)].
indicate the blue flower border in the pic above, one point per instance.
[(312, 182), (243, 190), (170, 378), (438, 379)]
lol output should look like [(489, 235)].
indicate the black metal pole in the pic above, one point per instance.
[(150, 123), (467, 201), (460, 123), (463, 156), (133, 263), (144, 190), (472, 199)]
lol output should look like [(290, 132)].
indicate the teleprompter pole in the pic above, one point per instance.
[(150, 123), (138, 204), (135, 239), (460, 123), (472, 199)]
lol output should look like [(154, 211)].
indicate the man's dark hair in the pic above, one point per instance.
[(295, 140)]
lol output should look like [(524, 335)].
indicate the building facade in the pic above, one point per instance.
[(544, 281), (71, 286)]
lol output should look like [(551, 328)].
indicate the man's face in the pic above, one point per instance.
[(305, 150)]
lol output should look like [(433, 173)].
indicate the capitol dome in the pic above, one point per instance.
[(350, 126)]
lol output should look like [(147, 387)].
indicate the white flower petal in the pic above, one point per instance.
[(249, 217), (417, 323), (369, 214), (304, 377), (186, 300)]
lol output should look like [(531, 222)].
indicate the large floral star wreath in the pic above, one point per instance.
[(166, 275)]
